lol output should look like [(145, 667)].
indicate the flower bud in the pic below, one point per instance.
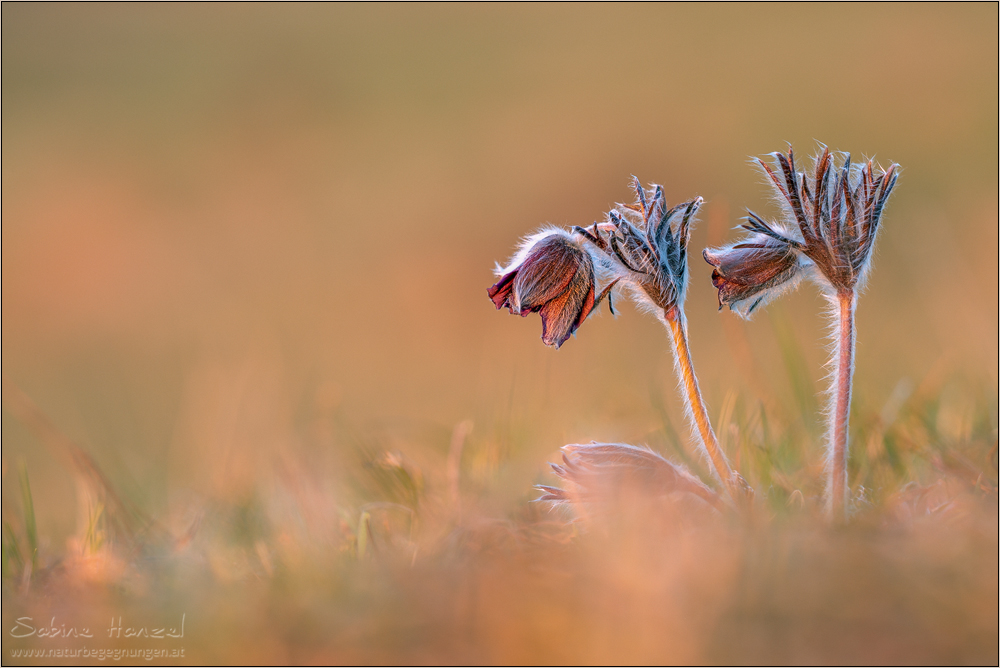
[(752, 272), (555, 279)]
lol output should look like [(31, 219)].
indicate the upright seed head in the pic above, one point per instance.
[(649, 241), (832, 218)]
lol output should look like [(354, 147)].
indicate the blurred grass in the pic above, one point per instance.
[(373, 561), (245, 251)]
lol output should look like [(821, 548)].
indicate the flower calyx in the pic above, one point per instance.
[(647, 242)]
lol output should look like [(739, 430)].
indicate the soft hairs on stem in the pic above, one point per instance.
[(840, 405), (694, 404), (831, 220)]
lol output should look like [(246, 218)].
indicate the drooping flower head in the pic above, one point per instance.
[(555, 273), (552, 275), (832, 220), (750, 273)]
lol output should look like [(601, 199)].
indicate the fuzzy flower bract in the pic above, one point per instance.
[(832, 221)]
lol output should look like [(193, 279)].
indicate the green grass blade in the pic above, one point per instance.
[(364, 531), (30, 529), (11, 552)]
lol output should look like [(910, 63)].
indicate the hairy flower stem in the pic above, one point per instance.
[(840, 415), (677, 325)]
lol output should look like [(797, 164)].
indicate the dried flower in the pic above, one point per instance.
[(553, 276), (646, 244)]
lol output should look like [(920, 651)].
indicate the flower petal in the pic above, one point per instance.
[(588, 306), (562, 316), (500, 292), (547, 271)]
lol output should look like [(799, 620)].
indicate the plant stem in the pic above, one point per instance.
[(677, 325), (840, 416)]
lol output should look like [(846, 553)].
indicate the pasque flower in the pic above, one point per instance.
[(647, 243), (832, 218), (596, 471), (552, 275), (643, 246)]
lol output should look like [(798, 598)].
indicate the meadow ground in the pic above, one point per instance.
[(253, 382), (372, 559)]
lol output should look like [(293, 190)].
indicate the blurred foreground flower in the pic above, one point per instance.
[(596, 471), (832, 220)]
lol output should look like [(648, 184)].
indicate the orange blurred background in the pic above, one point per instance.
[(222, 221)]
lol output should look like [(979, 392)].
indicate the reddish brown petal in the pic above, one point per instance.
[(561, 316), (588, 306), (500, 292), (557, 322), (547, 271)]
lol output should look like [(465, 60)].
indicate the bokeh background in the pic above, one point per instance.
[(242, 243)]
